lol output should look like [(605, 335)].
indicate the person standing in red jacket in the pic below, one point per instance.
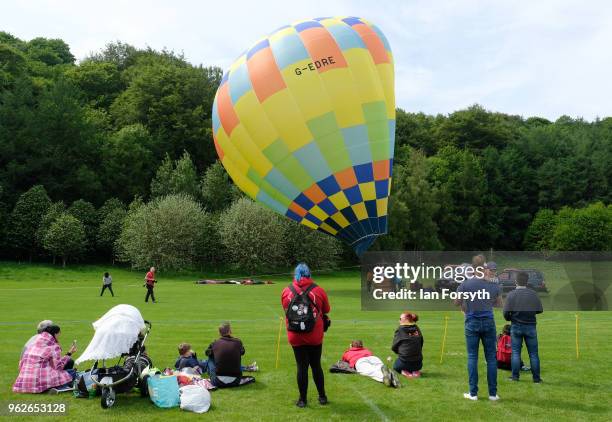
[(150, 284), (307, 346)]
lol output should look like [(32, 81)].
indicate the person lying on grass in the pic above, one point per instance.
[(365, 363), (189, 359), (408, 344), (42, 366)]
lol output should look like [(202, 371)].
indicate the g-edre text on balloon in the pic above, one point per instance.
[(317, 64)]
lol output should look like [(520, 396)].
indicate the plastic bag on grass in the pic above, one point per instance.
[(163, 391), (195, 398)]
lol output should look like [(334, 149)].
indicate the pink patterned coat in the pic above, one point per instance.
[(42, 366)]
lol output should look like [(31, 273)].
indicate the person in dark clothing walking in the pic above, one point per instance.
[(521, 307), (224, 360), (107, 283), (308, 345), (150, 284), (408, 345)]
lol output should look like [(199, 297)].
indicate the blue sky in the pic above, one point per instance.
[(533, 58)]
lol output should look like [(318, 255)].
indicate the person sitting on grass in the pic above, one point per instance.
[(188, 359), (42, 367), (408, 345), (504, 350), (365, 363), (39, 329), (224, 355)]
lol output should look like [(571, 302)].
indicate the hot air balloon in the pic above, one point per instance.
[(304, 122)]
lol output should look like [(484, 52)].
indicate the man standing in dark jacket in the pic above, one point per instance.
[(521, 307), (224, 356), (408, 344)]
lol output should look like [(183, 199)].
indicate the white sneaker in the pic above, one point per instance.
[(494, 398), (469, 396)]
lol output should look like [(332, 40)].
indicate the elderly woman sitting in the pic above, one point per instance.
[(42, 366)]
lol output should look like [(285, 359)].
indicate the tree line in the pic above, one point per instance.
[(89, 149)]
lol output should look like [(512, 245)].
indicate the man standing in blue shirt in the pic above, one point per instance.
[(480, 326)]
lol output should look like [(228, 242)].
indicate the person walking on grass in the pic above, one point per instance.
[(521, 307), (107, 283), (150, 284), (306, 307), (480, 326)]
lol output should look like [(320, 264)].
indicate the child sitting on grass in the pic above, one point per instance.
[(504, 350), (187, 357)]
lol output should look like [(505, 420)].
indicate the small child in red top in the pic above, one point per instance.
[(504, 350), (365, 363)]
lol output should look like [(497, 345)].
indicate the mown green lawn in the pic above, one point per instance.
[(574, 389)]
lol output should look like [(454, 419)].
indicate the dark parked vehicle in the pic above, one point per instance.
[(443, 283), (507, 279)]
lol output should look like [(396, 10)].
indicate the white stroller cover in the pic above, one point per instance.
[(115, 334)]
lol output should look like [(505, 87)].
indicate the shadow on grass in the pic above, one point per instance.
[(433, 374)]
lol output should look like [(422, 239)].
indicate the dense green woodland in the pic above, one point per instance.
[(112, 158)]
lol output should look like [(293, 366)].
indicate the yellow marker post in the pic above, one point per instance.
[(444, 338), (280, 329), (577, 345)]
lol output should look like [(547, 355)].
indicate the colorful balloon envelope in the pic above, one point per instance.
[(304, 122)]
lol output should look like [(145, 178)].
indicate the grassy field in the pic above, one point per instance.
[(574, 389)]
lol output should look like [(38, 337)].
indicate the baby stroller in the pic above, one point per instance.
[(121, 333)]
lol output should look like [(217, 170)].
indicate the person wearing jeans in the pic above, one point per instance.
[(480, 325), (481, 330), (527, 332), (521, 307)]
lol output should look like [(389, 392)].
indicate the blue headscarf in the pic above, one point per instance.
[(301, 271)]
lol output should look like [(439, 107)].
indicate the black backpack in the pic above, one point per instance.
[(299, 313)]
